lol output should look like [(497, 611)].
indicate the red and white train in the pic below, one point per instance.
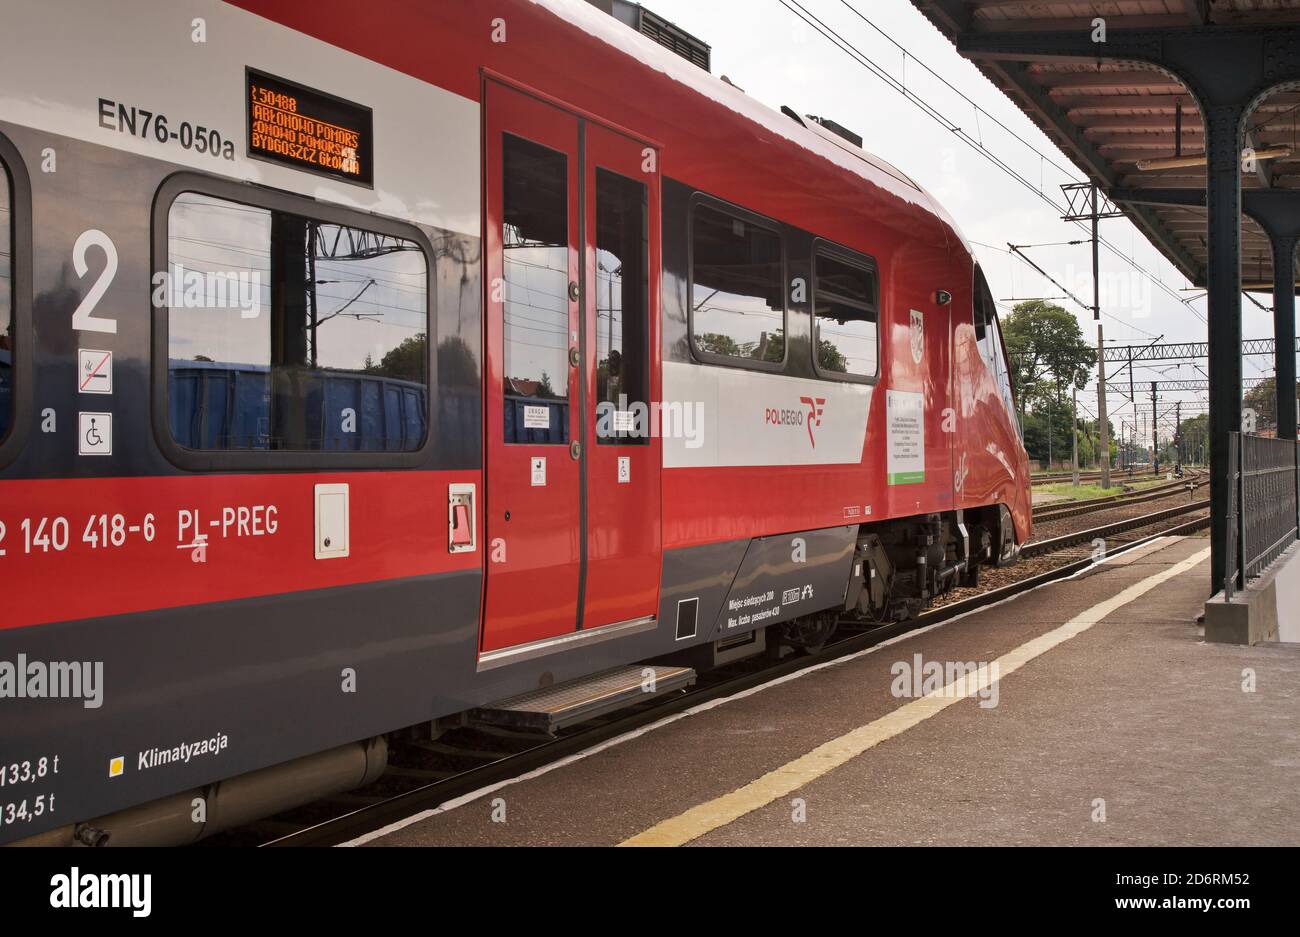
[(359, 371)]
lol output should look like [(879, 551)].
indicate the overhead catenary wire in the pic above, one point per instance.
[(810, 19)]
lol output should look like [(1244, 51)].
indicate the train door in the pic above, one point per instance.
[(958, 400), (572, 477), (623, 455)]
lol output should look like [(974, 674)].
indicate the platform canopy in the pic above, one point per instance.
[(1109, 114), (1186, 113)]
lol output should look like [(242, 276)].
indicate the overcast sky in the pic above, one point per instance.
[(763, 47)]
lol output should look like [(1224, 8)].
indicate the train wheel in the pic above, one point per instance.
[(809, 633)]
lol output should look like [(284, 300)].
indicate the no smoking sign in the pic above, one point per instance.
[(94, 371)]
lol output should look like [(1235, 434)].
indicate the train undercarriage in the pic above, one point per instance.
[(900, 566)]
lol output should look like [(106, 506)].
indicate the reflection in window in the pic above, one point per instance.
[(1003, 372), (535, 245), (737, 299), (622, 316), (6, 306), (845, 317), (988, 339), (288, 333), (984, 316)]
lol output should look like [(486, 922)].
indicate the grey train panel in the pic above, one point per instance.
[(288, 675), (788, 576), (100, 187), (268, 674), (702, 575)]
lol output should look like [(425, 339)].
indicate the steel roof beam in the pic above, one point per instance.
[(952, 15), (1017, 79), (1192, 386), (1178, 351)]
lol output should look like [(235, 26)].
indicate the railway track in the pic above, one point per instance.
[(1060, 479), (1115, 476), (1107, 531), (1054, 512), (424, 774)]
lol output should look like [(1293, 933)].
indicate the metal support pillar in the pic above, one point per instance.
[(1155, 433), (1283, 331), (1223, 282), (1102, 425), (1178, 436), (1074, 438)]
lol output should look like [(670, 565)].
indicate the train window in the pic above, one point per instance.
[(1001, 370), (737, 291), (535, 241), (988, 339), (985, 314), (6, 305), (622, 306), (288, 333), (845, 315)]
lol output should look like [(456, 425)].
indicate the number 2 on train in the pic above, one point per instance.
[(84, 318)]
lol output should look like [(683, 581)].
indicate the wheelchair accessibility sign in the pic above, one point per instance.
[(95, 433)]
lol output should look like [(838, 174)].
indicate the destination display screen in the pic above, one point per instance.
[(309, 130)]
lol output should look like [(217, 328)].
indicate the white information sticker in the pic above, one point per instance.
[(537, 418), (905, 440), (624, 469), (539, 471)]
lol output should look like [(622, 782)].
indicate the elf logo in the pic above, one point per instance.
[(816, 406)]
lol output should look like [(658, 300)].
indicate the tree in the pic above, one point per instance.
[(770, 348), (405, 362), (456, 365), (715, 343), (1262, 398), (1047, 429), (1046, 346), (830, 358), (1194, 438), (1047, 354)]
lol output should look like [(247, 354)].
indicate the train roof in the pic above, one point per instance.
[(800, 131), (713, 135)]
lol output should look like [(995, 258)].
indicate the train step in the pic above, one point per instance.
[(557, 707)]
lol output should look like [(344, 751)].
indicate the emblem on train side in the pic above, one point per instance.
[(918, 336), (816, 406)]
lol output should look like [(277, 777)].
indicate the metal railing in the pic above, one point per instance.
[(1264, 509)]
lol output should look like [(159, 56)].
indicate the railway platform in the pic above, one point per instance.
[(1110, 722)]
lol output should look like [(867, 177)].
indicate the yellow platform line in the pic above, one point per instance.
[(825, 758)]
